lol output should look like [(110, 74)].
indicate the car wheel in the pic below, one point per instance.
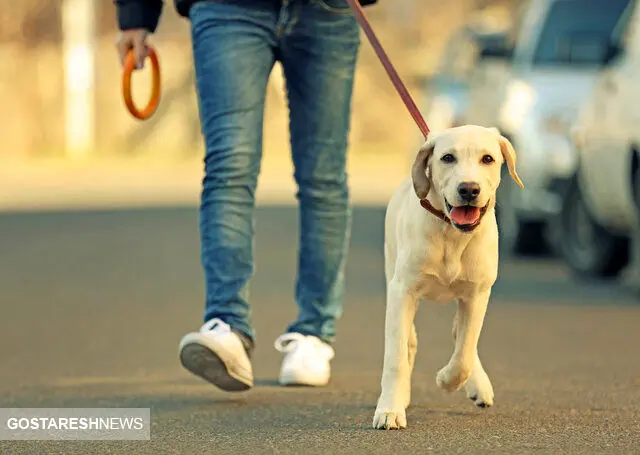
[(517, 237), (588, 248)]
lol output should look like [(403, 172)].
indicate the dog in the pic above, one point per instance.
[(441, 244)]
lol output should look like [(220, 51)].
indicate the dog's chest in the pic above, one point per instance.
[(448, 271), (439, 282)]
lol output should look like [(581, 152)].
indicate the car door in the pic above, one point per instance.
[(627, 81), (606, 157)]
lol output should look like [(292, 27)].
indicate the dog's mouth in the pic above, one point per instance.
[(466, 217)]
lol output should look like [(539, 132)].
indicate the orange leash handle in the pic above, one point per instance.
[(361, 17), (154, 99)]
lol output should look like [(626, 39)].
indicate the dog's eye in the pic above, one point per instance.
[(448, 158), (487, 159)]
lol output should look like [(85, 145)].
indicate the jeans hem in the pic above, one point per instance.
[(324, 339)]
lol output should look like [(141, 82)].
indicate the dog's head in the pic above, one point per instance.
[(461, 168)]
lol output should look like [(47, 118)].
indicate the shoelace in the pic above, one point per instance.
[(215, 325), (305, 343)]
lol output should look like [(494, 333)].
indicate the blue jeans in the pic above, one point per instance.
[(236, 44)]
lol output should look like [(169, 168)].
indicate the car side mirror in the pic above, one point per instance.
[(502, 52), (614, 50)]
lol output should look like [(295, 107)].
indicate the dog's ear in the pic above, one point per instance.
[(509, 155), (422, 183)]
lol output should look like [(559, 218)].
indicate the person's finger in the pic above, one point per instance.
[(140, 51), (123, 46)]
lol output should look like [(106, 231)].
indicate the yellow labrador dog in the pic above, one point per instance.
[(441, 244)]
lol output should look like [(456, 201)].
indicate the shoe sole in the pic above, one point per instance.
[(205, 363)]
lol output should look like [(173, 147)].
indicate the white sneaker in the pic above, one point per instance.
[(216, 354), (306, 360)]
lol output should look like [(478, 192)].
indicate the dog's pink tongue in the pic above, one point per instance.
[(465, 215)]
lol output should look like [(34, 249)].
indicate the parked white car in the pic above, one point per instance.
[(534, 99), (447, 92), (601, 208)]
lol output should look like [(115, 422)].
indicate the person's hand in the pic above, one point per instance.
[(135, 39)]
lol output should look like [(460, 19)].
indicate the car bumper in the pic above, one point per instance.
[(542, 202)]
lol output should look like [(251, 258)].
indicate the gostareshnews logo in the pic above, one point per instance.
[(85, 424)]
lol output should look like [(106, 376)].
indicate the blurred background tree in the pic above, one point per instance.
[(32, 80)]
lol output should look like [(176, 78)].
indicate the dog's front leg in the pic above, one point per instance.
[(396, 373), (478, 386), (470, 319)]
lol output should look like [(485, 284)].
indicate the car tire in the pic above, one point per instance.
[(589, 249)]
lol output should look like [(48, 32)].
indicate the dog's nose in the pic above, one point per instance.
[(468, 191)]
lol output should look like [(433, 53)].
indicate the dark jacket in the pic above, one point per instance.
[(146, 13)]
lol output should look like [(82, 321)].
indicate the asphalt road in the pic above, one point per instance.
[(94, 304)]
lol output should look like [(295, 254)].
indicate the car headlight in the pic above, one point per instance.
[(519, 101)]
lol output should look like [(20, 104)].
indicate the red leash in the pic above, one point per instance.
[(400, 87), (388, 66)]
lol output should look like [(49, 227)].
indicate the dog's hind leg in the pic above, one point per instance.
[(478, 387), (412, 348)]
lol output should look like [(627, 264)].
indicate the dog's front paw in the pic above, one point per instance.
[(479, 389), (390, 419), (453, 377)]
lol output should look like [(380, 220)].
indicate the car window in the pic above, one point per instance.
[(578, 31)]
